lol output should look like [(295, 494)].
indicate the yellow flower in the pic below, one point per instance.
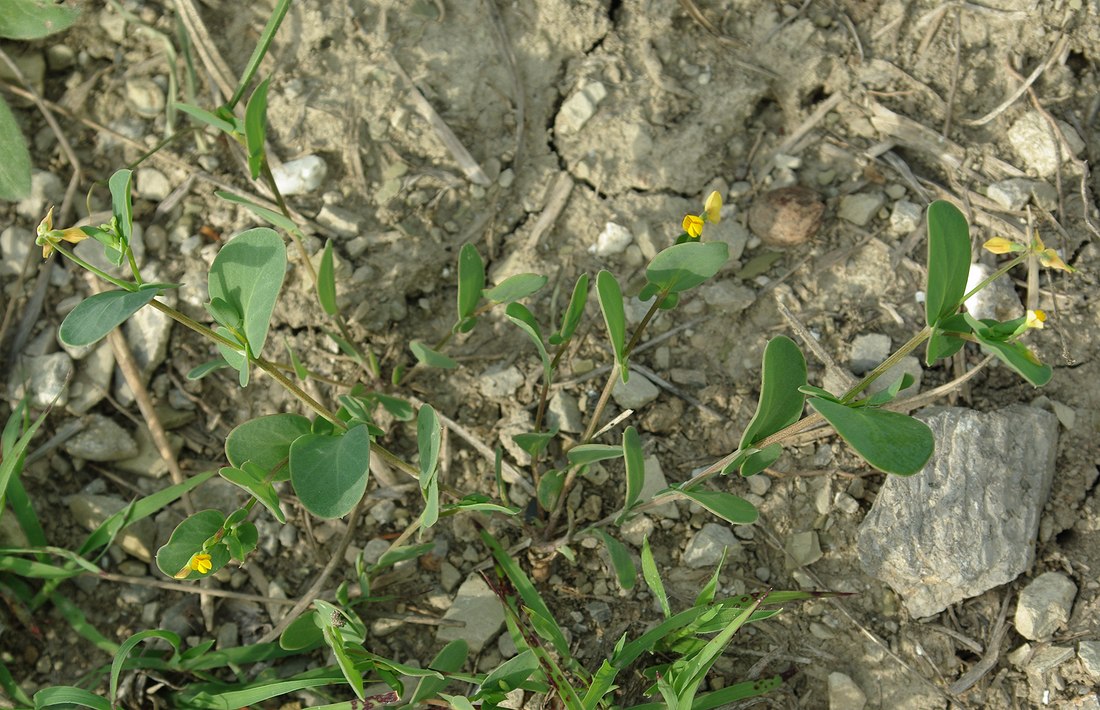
[(1035, 319), (48, 236), (713, 207), (693, 225), (1000, 245), (1048, 257), (200, 563)]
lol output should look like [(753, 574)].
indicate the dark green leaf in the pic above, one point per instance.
[(265, 441), (426, 356), (255, 128), (590, 453), (514, 288), (252, 479), (187, 540), (68, 696), (509, 675), (401, 410), (471, 280), (948, 260), (326, 282), (248, 273), (549, 489), (620, 560), (302, 633), (781, 402), (652, 578), (121, 205), (725, 505), (534, 442), (15, 178), (635, 467), (400, 554), (614, 315), (757, 461), (34, 19), (96, 316), (1014, 354), (449, 660), (889, 441), (329, 473), (522, 317), (685, 266), (573, 313)]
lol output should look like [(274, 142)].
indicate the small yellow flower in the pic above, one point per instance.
[(1035, 319), (1048, 257), (693, 225), (1000, 245), (48, 236), (200, 563), (713, 207)]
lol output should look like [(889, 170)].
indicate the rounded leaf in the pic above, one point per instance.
[(329, 473)]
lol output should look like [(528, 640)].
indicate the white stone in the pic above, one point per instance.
[(101, 440), (344, 222), (580, 106), (46, 191), (706, 547), (1034, 141), (905, 217), (868, 351), (15, 242), (1012, 194), (145, 97), (803, 548), (653, 483), (998, 300), (499, 383), (151, 184), (44, 376), (1044, 605), (614, 239), (635, 393), (298, 177), (861, 207)]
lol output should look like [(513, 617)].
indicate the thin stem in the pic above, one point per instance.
[(996, 275), (920, 337), (71, 256)]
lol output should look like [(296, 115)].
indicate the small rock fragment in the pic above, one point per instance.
[(298, 177), (477, 606), (562, 412), (1034, 141), (868, 351), (1012, 194), (635, 393), (138, 538), (145, 97), (787, 217), (151, 184), (101, 440), (45, 377), (803, 549), (905, 217), (344, 223), (1044, 605), (1089, 653), (998, 300), (860, 208), (653, 483), (46, 190), (844, 694), (498, 383), (706, 547), (614, 239), (580, 106)]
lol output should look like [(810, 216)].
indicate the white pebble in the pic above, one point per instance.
[(297, 177)]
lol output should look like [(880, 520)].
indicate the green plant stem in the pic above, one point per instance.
[(910, 346), (997, 274), (71, 256), (133, 265)]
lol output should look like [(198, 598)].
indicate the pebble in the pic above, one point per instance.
[(147, 332), (967, 522), (654, 482), (383, 512), (137, 538), (786, 217), (580, 106), (59, 57), (614, 239), (905, 217), (45, 377), (476, 605), (860, 208), (634, 531), (732, 232), (301, 176), (148, 461), (998, 300), (760, 483), (563, 412), (730, 296), (46, 190), (101, 440), (343, 222), (1089, 654), (375, 548), (635, 393), (803, 548), (1011, 194), (498, 383), (15, 243), (1044, 605), (844, 694), (228, 636), (1033, 140), (1048, 658), (449, 576), (706, 547), (895, 191), (145, 97), (151, 184), (868, 351)]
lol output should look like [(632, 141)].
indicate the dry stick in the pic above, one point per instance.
[(811, 342), (189, 588), (992, 654), (204, 45), (314, 590)]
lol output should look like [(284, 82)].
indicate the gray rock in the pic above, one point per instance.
[(478, 607), (1044, 605), (148, 461), (733, 233), (802, 548), (147, 333), (1047, 658), (15, 243), (499, 383), (760, 483), (344, 223), (634, 531), (579, 107), (59, 57), (1089, 653), (636, 393), (1012, 194), (145, 97), (44, 377), (137, 538), (728, 296), (228, 636), (151, 184), (562, 412), (600, 612), (968, 521), (1034, 141), (449, 576), (614, 239), (653, 483), (92, 380), (844, 694), (706, 546), (376, 547), (868, 351), (102, 440), (46, 190), (861, 207), (905, 217), (997, 300)]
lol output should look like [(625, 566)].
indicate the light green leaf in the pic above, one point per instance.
[(187, 540), (685, 266), (265, 441), (329, 473), (68, 696), (1014, 354), (514, 288), (34, 19), (252, 478), (889, 441), (210, 119), (120, 184), (652, 577), (471, 280), (948, 260), (326, 281), (428, 438), (255, 128), (725, 505), (614, 316), (522, 317), (15, 178), (635, 467), (573, 313), (449, 660), (248, 273), (534, 442), (591, 453), (549, 489), (302, 633), (620, 559), (760, 459), (781, 402), (426, 356), (275, 218), (96, 316)]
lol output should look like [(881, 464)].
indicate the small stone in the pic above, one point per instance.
[(137, 538), (374, 549), (579, 107), (499, 383), (1044, 605), (1048, 658), (803, 549), (634, 531), (786, 217), (449, 576), (46, 190), (45, 377), (562, 412), (477, 606), (845, 503), (614, 239), (228, 636), (92, 380), (304, 175), (998, 300), (905, 217), (733, 233), (344, 223), (15, 243), (152, 184), (844, 694), (1089, 653), (101, 440), (895, 191), (868, 351), (635, 393), (145, 97), (507, 177), (600, 612), (148, 461), (654, 482), (1011, 194), (861, 207), (59, 57), (686, 376), (730, 297), (706, 547), (760, 483), (1034, 141)]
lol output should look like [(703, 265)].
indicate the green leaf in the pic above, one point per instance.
[(128, 645), (1015, 354), (781, 402), (514, 288), (449, 660), (302, 633), (614, 316), (428, 437), (549, 489), (889, 441), (759, 460), (471, 280), (15, 178), (401, 410), (34, 19), (591, 453), (706, 594), (522, 317), (187, 540), (275, 218), (252, 478), (684, 266), (474, 502), (635, 467), (948, 260), (210, 119), (573, 313), (329, 473), (652, 577), (509, 675), (400, 554), (725, 505), (121, 205), (300, 370), (534, 442), (326, 282), (274, 20), (68, 696), (96, 316), (426, 356), (620, 559), (255, 128), (942, 344), (248, 273), (265, 441), (343, 660)]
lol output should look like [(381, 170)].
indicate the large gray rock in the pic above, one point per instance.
[(479, 608), (968, 521)]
